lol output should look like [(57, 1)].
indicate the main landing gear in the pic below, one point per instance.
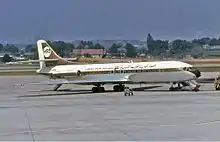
[(119, 88), (217, 83), (98, 89), (116, 88)]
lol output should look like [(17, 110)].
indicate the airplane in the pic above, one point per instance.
[(61, 71)]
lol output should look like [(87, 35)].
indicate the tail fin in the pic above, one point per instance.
[(47, 55)]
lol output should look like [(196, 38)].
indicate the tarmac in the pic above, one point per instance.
[(34, 113)]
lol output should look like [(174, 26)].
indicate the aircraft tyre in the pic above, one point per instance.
[(119, 88), (175, 88), (217, 86), (196, 89), (171, 89), (98, 89)]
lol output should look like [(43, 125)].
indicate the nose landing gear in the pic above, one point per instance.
[(217, 83), (98, 89)]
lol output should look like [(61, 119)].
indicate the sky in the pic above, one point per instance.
[(25, 21)]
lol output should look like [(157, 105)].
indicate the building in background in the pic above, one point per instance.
[(94, 53), (212, 51)]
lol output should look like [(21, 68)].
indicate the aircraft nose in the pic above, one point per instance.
[(193, 70)]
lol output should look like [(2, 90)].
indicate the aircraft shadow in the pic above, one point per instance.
[(145, 88), (65, 92), (78, 92)]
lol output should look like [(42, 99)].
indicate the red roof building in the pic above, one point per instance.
[(92, 52)]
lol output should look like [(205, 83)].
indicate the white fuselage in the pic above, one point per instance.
[(112, 67)]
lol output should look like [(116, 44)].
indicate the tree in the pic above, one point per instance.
[(58, 47), (81, 45), (157, 47), (181, 47), (6, 58), (113, 50), (202, 41), (11, 48), (28, 48), (150, 43), (214, 41), (1, 47), (89, 45), (98, 46), (131, 51), (62, 48), (149, 38), (143, 51)]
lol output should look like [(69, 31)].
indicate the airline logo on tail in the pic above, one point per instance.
[(47, 52), (48, 55)]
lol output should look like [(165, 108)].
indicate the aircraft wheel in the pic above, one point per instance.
[(196, 89), (171, 89), (94, 89), (122, 87), (101, 89), (98, 89), (119, 88), (116, 88), (79, 73), (217, 87)]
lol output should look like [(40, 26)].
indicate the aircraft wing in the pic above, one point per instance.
[(149, 77)]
